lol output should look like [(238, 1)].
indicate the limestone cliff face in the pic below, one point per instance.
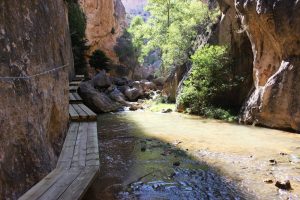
[(105, 21), (34, 38), (274, 32)]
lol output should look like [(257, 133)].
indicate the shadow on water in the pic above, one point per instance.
[(134, 166)]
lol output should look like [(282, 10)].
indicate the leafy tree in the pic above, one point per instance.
[(171, 28), (210, 78), (99, 60), (77, 25)]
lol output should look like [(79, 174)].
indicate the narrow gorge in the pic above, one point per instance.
[(196, 99)]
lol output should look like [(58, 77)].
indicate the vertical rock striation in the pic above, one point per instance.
[(105, 22), (34, 38), (274, 32)]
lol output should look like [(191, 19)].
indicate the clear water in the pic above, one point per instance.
[(146, 155)]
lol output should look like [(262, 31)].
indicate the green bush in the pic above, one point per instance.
[(99, 60), (210, 78)]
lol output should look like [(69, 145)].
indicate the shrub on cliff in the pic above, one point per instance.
[(99, 60), (210, 78), (126, 52)]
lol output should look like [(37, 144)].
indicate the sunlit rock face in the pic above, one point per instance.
[(34, 38), (105, 22), (274, 32)]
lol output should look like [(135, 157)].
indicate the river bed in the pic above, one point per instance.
[(147, 155)]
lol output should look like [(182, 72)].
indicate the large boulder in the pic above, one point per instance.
[(101, 80), (149, 86), (99, 102), (159, 81), (118, 96), (119, 81), (133, 94)]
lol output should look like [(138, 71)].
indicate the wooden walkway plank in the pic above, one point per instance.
[(83, 145), (80, 146), (77, 97), (56, 190), (89, 112), (79, 161), (71, 97), (66, 155), (74, 98), (73, 88), (74, 83), (41, 187), (82, 114), (73, 113), (92, 158), (84, 180)]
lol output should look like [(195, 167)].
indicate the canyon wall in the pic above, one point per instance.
[(229, 32), (105, 22), (34, 39), (274, 30)]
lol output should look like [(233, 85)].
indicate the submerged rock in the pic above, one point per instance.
[(169, 110)]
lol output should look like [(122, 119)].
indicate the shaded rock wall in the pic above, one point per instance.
[(274, 31), (105, 21), (34, 38), (229, 32)]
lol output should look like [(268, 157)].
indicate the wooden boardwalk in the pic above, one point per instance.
[(80, 112), (78, 163), (75, 98)]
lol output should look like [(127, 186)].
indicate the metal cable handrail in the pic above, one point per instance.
[(32, 76)]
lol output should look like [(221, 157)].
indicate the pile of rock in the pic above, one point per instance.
[(109, 94)]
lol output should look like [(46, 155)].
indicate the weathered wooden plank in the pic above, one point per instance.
[(80, 148), (77, 97), (74, 83), (83, 145), (82, 114), (89, 112), (71, 97), (73, 88), (93, 163), (66, 155), (79, 76), (73, 113), (56, 190), (80, 185), (41, 187), (92, 158)]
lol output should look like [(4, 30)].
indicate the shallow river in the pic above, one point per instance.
[(146, 155)]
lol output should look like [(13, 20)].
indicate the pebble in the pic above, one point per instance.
[(273, 162), (286, 185), (268, 181)]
